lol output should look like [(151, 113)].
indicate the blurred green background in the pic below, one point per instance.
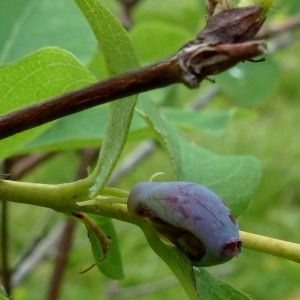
[(267, 127)]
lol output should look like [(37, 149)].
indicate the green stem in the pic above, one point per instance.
[(114, 192), (288, 250), (62, 198), (58, 197)]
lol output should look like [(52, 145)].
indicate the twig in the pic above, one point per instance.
[(4, 234), (38, 235), (16, 171), (142, 151), (213, 5), (276, 29), (27, 163), (280, 42), (126, 12), (41, 250), (5, 270), (204, 98), (61, 260), (224, 42)]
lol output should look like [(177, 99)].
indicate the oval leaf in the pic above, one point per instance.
[(43, 74)]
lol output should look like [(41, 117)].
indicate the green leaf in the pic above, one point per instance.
[(88, 127), (41, 75), (213, 122), (250, 83), (71, 132), (234, 178), (29, 25), (119, 56), (84, 128), (212, 288), (111, 264)]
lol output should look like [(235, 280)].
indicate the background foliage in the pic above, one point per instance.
[(255, 112)]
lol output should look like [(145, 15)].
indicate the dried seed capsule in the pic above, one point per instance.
[(190, 216)]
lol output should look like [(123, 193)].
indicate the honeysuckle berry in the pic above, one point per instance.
[(190, 216)]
